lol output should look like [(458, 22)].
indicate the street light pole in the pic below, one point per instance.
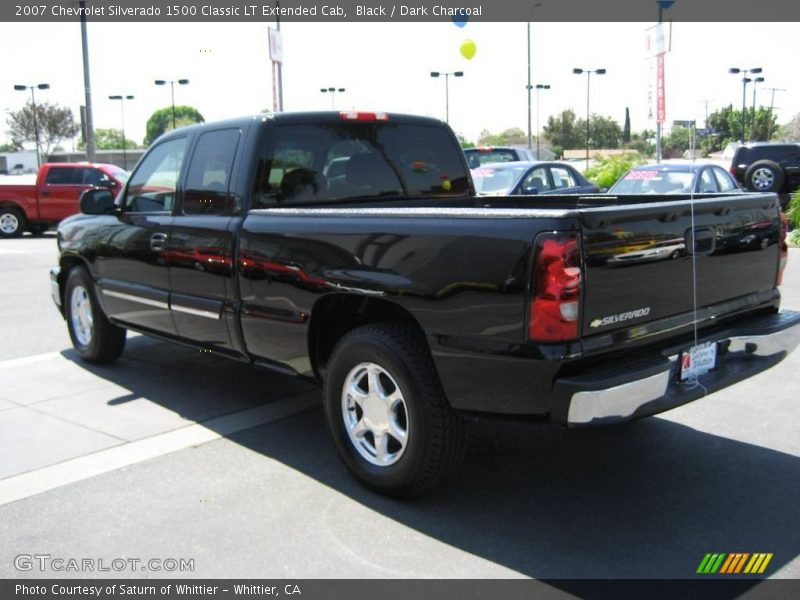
[(447, 89), (122, 109), (539, 87), (588, 84), (22, 88), (530, 139), (745, 81), (332, 91), (172, 90)]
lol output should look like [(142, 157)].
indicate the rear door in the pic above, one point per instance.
[(639, 259), (60, 192), (201, 242)]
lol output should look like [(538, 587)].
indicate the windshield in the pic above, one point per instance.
[(654, 182), (490, 180), (476, 158)]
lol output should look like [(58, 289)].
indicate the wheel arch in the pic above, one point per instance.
[(67, 263), (334, 315)]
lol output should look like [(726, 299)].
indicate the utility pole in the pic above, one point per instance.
[(91, 148), (771, 107)]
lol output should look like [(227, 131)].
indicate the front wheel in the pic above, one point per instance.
[(94, 337), (387, 412), (764, 176), (12, 222)]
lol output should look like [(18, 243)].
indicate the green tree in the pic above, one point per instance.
[(55, 123), (561, 130), (11, 147), (608, 169), (791, 131), (463, 141), (110, 139), (512, 136), (677, 141), (727, 125), (604, 132), (161, 121)]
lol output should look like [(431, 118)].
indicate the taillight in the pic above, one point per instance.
[(555, 288), (784, 247), (353, 115), (732, 170)]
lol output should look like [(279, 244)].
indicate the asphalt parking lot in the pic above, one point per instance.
[(171, 453)]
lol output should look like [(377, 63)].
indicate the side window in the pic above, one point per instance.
[(207, 186), (562, 178), (64, 176), (707, 182), (536, 180), (724, 181), (152, 187)]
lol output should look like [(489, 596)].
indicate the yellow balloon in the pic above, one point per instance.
[(468, 49)]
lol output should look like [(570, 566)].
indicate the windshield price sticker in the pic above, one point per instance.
[(698, 360)]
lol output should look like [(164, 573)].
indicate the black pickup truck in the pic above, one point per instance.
[(413, 301)]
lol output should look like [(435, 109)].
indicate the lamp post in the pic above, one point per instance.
[(588, 83), (539, 86), (172, 90), (40, 86), (447, 89), (528, 87), (332, 91), (756, 81), (122, 109), (745, 81)]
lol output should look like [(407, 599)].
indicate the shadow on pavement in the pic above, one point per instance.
[(644, 500)]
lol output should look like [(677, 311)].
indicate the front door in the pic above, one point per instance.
[(133, 275)]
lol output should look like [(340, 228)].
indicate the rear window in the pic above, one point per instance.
[(482, 156), (318, 163), (648, 181)]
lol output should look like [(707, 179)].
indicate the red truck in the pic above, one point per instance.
[(55, 195)]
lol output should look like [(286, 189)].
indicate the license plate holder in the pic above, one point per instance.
[(698, 360)]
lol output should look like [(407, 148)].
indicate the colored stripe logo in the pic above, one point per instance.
[(734, 563)]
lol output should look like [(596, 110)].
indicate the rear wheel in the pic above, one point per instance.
[(764, 176), (94, 337), (12, 222), (387, 412)]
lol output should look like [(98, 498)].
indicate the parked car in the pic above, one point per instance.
[(768, 167), (527, 178), (54, 195), (408, 299), (492, 154), (675, 178)]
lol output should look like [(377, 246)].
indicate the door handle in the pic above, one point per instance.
[(158, 242)]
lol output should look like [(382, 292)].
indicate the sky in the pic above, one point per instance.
[(386, 66)]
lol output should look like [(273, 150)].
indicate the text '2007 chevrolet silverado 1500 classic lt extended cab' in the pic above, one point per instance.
[(410, 299)]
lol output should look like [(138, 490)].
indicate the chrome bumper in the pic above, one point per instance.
[(741, 355)]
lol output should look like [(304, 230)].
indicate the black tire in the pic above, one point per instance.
[(435, 441), (12, 222), (105, 341), (764, 176)]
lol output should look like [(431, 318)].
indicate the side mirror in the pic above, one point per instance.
[(603, 190), (97, 201)]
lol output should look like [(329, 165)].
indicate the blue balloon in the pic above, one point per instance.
[(460, 21)]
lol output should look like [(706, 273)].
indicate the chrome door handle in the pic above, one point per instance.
[(158, 242)]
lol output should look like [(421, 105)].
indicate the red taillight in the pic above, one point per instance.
[(784, 247), (353, 115), (555, 288), (732, 170)]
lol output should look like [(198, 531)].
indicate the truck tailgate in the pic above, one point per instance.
[(647, 262)]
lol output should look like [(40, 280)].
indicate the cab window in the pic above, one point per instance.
[(153, 185), (208, 183)]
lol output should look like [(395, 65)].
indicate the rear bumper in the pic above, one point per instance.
[(628, 391)]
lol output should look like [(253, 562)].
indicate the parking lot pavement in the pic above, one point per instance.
[(173, 453)]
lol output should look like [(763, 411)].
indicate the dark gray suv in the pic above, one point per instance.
[(767, 167)]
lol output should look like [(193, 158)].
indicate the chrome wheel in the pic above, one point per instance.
[(9, 223), (763, 179), (375, 414), (80, 314)]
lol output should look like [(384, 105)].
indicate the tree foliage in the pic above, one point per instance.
[(566, 131), (560, 130), (55, 123), (161, 121), (608, 169), (790, 132), (626, 128), (727, 126), (513, 136), (111, 139)]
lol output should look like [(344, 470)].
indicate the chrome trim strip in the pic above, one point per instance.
[(618, 401), (138, 299), (196, 312)]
